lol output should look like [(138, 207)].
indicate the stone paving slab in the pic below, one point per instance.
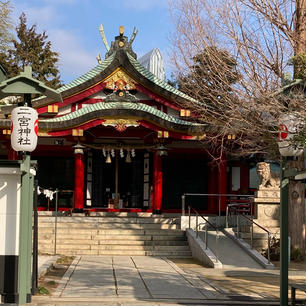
[(164, 281), (158, 303), (140, 277), (146, 281)]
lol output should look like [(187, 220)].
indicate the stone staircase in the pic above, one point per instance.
[(112, 234)]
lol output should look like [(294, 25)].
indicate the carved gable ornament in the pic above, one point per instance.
[(120, 81), (121, 125)]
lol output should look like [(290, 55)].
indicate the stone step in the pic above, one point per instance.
[(128, 220), (108, 234), (115, 242), (178, 237), (132, 214), (78, 231), (120, 247), (95, 225), (172, 254), (43, 214)]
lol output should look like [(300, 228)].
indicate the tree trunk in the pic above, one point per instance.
[(296, 216), (300, 27), (300, 35)]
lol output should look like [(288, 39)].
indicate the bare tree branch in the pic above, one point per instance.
[(260, 37)]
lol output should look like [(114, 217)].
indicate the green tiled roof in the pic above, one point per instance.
[(149, 75), (142, 70), (85, 77), (89, 75), (120, 105)]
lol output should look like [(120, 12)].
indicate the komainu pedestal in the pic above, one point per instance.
[(267, 199), (267, 206)]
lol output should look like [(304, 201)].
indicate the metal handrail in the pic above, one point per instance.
[(239, 203), (219, 195), (252, 232), (206, 229)]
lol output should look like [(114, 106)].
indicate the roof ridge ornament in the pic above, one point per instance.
[(121, 42), (121, 30), (103, 37), (135, 31)]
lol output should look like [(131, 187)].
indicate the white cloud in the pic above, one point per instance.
[(143, 5), (60, 2), (74, 59), (42, 16)]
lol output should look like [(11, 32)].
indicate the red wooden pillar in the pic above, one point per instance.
[(222, 182), (78, 204), (12, 154), (213, 189), (244, 179), (157, 184)]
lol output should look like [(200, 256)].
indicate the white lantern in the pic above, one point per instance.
[(289, 126), (24, 129)]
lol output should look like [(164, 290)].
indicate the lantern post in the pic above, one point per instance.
[(24, 132), (284, 253), (290, 125)]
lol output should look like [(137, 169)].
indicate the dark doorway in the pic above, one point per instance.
[(184, 175), (130, 180), (55, 173)]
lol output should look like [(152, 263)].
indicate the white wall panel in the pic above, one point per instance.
[(10, 187)]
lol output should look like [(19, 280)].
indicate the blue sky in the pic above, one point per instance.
[(72, 26)]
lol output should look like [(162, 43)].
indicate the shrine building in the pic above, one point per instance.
[(120, 141)]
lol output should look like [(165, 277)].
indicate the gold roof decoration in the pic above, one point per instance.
[(121, 124), (120, 81)]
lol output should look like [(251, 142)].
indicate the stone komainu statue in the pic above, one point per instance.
[(268, 178)]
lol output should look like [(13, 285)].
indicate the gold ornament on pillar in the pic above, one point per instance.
[(108, 158), (78, 149), (128, 157)]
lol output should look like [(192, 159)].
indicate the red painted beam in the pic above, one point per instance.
[(84, 127), (156, 128), (75, 98), (157, 183), (12, 154), (157, 97), (244, 178), (79, 182), (222, 181), (213, 189)]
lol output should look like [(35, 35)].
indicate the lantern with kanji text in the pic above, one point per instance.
[(24, 129)]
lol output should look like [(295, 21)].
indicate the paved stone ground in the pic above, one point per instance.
[(241, 282), (143, 280), (44, 263), (140, 277)]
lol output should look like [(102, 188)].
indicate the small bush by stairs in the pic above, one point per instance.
[(113, 234)]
